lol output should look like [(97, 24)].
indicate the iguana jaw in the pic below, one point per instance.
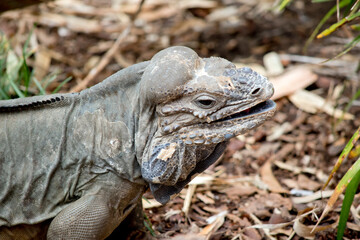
[(229, 126), (259, 108), (221, 125)]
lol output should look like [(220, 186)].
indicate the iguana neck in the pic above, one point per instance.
[(120, 97)]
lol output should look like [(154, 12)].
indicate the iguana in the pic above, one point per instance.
[(75, 165)]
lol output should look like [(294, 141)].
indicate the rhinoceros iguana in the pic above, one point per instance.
[(73, 166)]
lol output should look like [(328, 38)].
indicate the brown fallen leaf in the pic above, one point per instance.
[(216, 222), (238, 190), (150, 203), (312, 103), (306, 183), (189, 195), (311, 198), (205, 199), (308, 232), (42, 63), (266, 173), (268, 177), (353, 226), (294, 79), (262, 205)]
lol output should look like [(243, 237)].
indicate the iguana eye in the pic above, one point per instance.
[(205, 102)]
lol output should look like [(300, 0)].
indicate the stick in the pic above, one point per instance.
[(108, 55)]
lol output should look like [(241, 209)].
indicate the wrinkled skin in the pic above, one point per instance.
[(77, 164)]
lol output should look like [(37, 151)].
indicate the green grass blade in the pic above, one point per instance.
[(348, 200), (61, 84), (348, 47), (349, 176), (48, 79), (25, 71), (320, 1), (3, 94), (342, 4), (342, 185), (332, 28), (148, 225), (38, 85), (343, 155), (16, 88), (25, 75), (283, 4), (355, 27), (355, 7), (335, 26)]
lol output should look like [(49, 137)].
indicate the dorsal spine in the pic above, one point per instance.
[(34, 104)]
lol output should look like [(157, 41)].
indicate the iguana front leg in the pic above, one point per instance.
[(95, 216)]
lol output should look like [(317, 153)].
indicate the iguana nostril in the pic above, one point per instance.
[(255, 91)]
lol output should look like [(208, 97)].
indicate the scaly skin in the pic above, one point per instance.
[(73, 166)]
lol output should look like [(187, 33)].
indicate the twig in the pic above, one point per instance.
[(108, 55), (187, 202)]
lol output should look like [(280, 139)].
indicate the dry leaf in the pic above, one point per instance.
[(186, 4), (295, 169), (205, 199), (150, 203), (279, 131), (292, 80), (216, 222), (239, 190), (311, 198), (268, 177), (170, 213), (353, 226), (308, 232), (312, 103), (272, 63), (42, 63), (306, 183), (189, 194), (222, 13)]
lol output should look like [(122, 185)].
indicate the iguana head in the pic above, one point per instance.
[(200, 103), (205, 101)]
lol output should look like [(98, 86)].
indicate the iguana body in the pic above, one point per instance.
[(82, 161)]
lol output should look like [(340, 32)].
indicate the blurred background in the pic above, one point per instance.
[(274, 174)]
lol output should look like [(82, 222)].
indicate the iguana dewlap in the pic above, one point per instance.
[(82, 161)]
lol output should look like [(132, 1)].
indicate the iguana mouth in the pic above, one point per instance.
[(254, 110)]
